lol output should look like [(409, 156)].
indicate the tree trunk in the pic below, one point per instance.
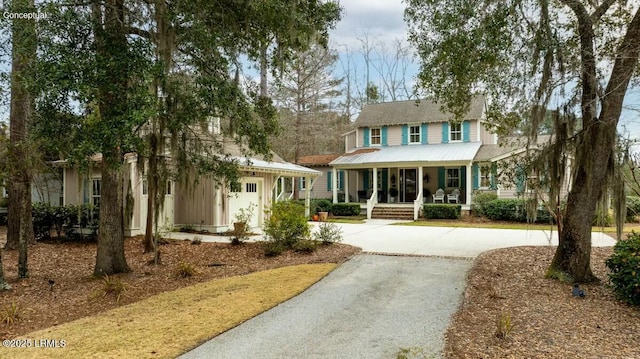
[(110, 257), (3, 283), (25, 229)]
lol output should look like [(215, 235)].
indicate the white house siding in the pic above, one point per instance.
[(434, 134), (486, 137), (350, 141)]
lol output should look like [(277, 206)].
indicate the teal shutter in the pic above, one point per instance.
[(366, 179), (405, 135), (341, 179), (367, 136), (385, 179), (85, 191), (424, 133), (494, 176), (463, 177), (445, 132), (329, 180), (466, 131), (475, 172), (383, 134), (441, 179)]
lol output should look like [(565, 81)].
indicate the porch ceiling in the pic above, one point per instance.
[(432, 153)]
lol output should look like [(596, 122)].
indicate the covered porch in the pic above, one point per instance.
[(373, 178)]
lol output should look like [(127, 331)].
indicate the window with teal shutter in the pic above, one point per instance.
[(367, 134), (494, 176), (463, 177), (365, 177), (384, 136), (424, 133), (329, 180), (445, 132), (340, 180), (405, 135), (466, 131)]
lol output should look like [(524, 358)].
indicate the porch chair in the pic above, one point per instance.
[(362, 195), (439, 196), (453, 197)]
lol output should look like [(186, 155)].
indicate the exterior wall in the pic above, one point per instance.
[(486, 137), (195, 205), (46, 188), (350, 141), (434, 132), (74, 185)]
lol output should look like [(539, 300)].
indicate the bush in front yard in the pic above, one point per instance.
[(345, 209), (514, 210), (624, 265), (441, 211), (480, 200), (287, 223)]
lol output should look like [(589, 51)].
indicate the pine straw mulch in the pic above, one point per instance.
[(548, 322), (76, 294)]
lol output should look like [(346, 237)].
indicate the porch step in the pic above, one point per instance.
[(392, 213)]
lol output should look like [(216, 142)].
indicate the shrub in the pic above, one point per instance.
[(633, 208), (65, 220), (185, 270), (480, 200), (514, 210), (113, 286), (11, 314), (504, 326), (328, 233), (322, 205), (287, 223), (197, 240), (305, 246), (624, 265), (273, 248), (442, 211), (345, 209)]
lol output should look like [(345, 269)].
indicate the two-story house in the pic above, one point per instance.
[(402, 153)]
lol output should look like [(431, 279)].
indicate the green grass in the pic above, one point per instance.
[(355, 220)]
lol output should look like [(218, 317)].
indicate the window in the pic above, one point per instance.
[(251, 187), (303, 183), (169, 187), (5, 193), (453, 177), (96, 189), (414, 134), (145, 187), (376, 136), (456, 132), (485, 176)]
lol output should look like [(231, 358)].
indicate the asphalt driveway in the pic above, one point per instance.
[(370, 307)]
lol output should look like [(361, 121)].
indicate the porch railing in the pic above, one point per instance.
[(371, 202), (417, 204)]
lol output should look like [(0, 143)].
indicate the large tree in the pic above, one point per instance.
[(524, 54)]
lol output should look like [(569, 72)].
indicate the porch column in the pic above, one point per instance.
[(293, 187), (420, 183), (345, 186), (307, 196), (334, 184), (375, 183), (469, 184), (282, 187)]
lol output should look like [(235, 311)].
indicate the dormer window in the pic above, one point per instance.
[(455, 132), (214, 125), (376, 136), (414, 134)]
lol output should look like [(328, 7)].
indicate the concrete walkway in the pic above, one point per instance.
[(379, 236)]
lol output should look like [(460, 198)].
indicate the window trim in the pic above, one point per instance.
[(302, 185), (378, 136), (93, 195), (448, 178), (487, 177), (452, 132), (418, 134)]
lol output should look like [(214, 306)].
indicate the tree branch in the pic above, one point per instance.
[(601, 10), (137, 31)]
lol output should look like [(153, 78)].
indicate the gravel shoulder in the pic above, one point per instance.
[(370, 307)]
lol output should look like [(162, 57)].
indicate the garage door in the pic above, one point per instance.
[(249, 192)]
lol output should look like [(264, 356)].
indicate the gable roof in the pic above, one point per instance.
[(412, 111)]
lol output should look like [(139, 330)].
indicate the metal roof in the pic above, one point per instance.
[(284, 168), (441, 152)]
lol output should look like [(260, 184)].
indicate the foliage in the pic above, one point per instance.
[(273, 248), (633, 208), (480, 200), (72, 221), (185, 270), (514, 210), (305, 246), (11, 314), (328, 233), (504, 326), (197, 240), (442, 211), (241, 225), (345, 209), (624, 265), (322, 205), (286, 224), (112, 286), (413, 353), (393, 192)]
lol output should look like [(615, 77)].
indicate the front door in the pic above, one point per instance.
[(408, 184)]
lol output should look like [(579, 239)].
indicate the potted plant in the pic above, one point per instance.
[(241, 224), (322, 207), (393, 193)]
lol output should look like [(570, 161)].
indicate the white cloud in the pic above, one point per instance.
[(380, 19)]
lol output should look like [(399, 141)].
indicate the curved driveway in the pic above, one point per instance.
[(373, 305)]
